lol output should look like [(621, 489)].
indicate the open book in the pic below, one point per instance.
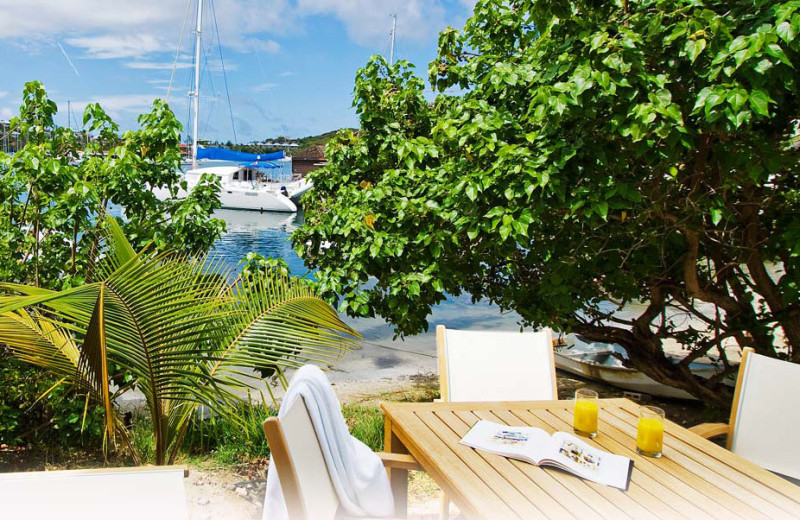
[(562, 450)]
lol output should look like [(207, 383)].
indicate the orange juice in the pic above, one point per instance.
[(650, 436), (586, 417)]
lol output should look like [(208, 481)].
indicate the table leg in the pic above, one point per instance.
[(398, 478)]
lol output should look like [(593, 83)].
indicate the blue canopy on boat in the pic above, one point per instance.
[(223, 154), (266, 165)]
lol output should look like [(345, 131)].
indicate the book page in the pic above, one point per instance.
[(518, 442), (574, 455)]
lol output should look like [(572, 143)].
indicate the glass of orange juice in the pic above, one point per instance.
[(585, 412), (650, 433)]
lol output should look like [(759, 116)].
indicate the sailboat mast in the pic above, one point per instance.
[(196, 93), (391, 49)]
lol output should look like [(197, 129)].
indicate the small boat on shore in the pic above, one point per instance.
[(601, 362)]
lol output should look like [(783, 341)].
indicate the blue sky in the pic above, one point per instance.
[(290, 63)]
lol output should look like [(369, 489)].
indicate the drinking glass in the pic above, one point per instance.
[(650, 433), (585, 412)]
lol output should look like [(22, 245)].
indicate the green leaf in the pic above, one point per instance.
[(602, 209), (663, 97), (759, 102), (737, 99), (702, 97), (763, 66), (693, 48), (786, 31), (774, 50)]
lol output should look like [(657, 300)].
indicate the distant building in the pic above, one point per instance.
[(9, 139), (308, 160)]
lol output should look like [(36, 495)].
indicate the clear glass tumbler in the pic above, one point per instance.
[(650, 433), (586, 408)]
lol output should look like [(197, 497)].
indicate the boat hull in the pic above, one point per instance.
[(251, 200), (621, 377), (256, 201), (298, 188), (600, 362)]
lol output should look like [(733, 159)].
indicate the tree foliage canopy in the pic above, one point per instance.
[(50, 194), (608, 168)]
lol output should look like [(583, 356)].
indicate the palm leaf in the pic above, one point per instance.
[(94, 360), (37, 341), (281, 323)]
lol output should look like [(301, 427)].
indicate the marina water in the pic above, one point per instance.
[(380, 356)]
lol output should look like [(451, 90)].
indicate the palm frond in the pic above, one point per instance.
[(94, 360), (281, 323), (173, 323), (38, 341)]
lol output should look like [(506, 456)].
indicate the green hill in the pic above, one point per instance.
[(303, 143)]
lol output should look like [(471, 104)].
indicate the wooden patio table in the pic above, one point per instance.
[(694, 479)]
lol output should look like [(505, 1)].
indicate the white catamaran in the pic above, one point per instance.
[(245, 186)]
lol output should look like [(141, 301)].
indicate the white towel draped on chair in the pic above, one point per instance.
[(357, 473)]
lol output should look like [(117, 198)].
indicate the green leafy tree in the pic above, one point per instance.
[(171, 327), (627, 170), (52, 189)]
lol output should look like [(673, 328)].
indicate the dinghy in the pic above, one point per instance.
[(598, 362)]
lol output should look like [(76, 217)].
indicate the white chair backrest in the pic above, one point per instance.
[(316, 488), (766, 424), (496, 366)]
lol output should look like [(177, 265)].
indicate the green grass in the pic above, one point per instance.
[(229, 442), (366, 424), (225, 442)]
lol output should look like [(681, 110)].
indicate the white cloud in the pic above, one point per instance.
[(125, 28), (6, 113), (265, 87), (256, 45), (157, 65), (368, 22), (126, 102), (286, 74), (120, 46), (3, 93), (141, 28), (117, 105)]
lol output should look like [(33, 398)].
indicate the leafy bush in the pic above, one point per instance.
[(55, 185), (56, 420)]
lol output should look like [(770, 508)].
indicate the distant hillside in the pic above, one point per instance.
[(313, 140), (303, 143)]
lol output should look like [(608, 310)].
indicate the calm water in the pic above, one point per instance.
[(381, 356)]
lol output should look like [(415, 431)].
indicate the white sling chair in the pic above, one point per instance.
[(764, 422), (303, 474), (494, 366)]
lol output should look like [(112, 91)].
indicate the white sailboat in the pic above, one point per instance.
[(244, 186)]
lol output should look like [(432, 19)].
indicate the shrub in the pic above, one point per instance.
[(56, 420)]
